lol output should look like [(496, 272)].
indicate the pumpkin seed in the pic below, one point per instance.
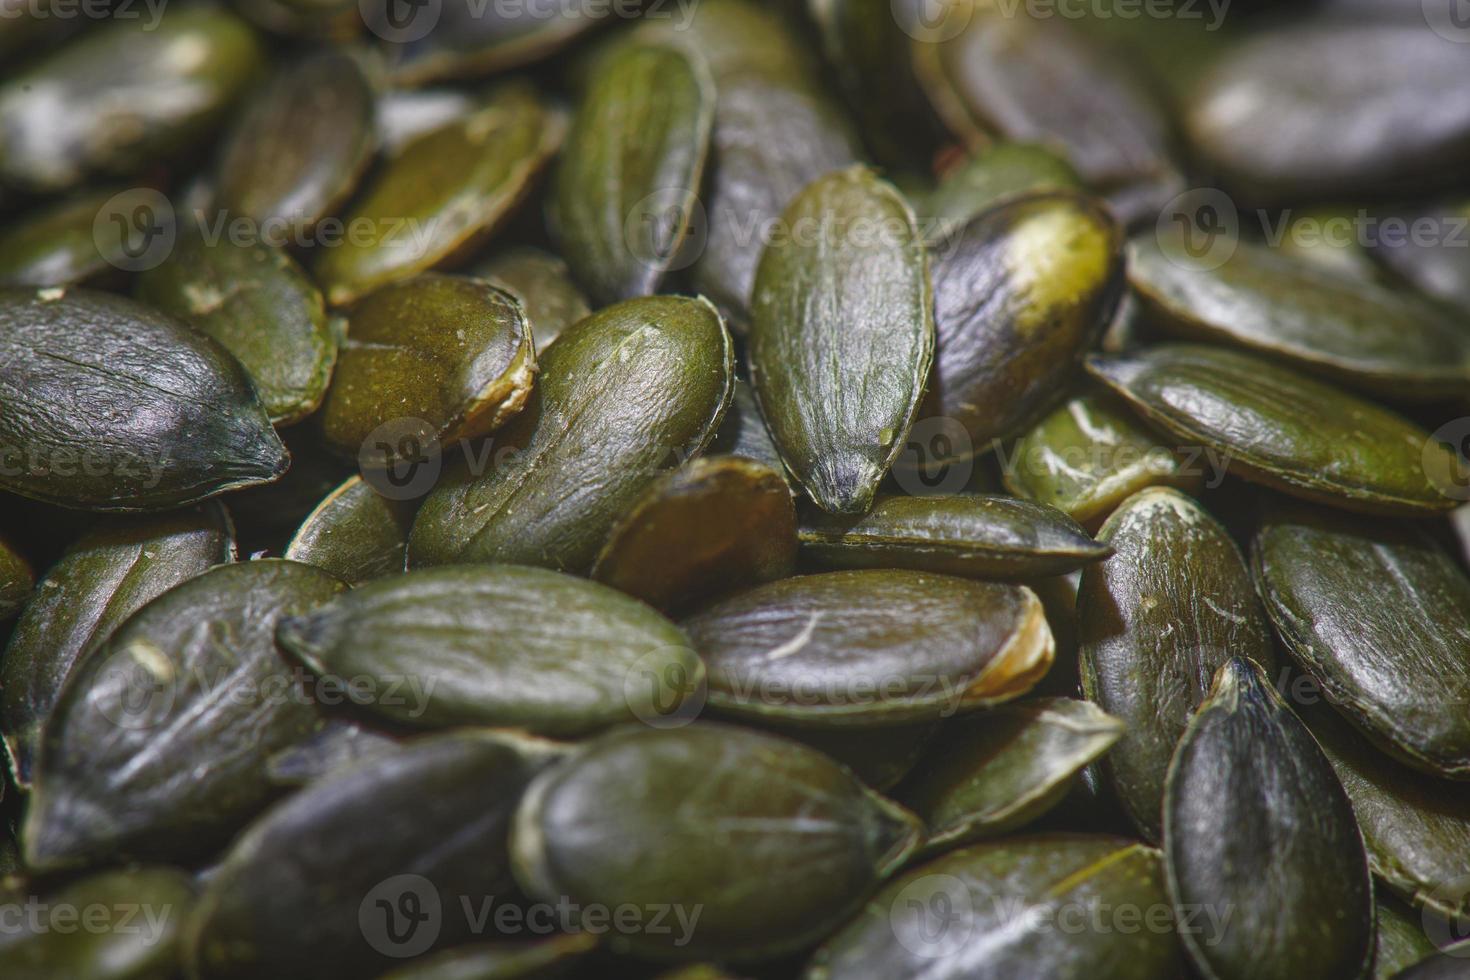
[(819, 840), (871, 647), (1400, 940), (1013, 908), (1019, 296), (356, 533), (543, 284), (110, 405), (442, 194), (16, 580), (1416, 827), (1432, 266), (978, 535), (159, 740), (450, 352), (1446, 965), (1255, 820), (880, 756), (56, 245), (338, 745), (134, 96), (267, 516), (624, 193), (469, 40), (131, 923), (842, 336), (543, 958), (105, 576), (300, 144), (709, 527), (259, 304), (1397, 667), (1042, 80), (479, 640), (1088, 455), (313, 888), (406, 114), (744, 432), (1157, 621), (776, 130), (627, 392), (995, 771), (1350, 329), (1284, 430), (994, 175), (1289, 113)]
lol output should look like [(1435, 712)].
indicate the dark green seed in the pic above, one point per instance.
[(992, 176), (356, 533), (470, 41), (449, 355), (624, 193), (1401, 941), (259, 304), (543, 284), (871, 647), (500, 645), (16, 581), (1157, 621), (133, 96), (842, 336), (1008, 909), (744, 432), (533, 959), (105, 576), (1256, 821), (710, 527), (976, 535), (159, 741), (881, 756), (338, 745), (629, 818), (1446, 965), (997, 770), (110, 405), (57, 245), (1287, 431), (623, 395)]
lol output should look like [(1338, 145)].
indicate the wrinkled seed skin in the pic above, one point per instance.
[(165, 415), (1255, 820)]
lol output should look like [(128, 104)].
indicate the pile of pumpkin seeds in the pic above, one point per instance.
[(734, 489)]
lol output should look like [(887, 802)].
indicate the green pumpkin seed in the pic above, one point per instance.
[(1398, 666), (776, 130), (498, 645), (449, 354), (405, 115), (998, 770), (57, 244), (623, 196), (1350, 329), (356, 533), (1025, 907), (527, 960), (259, 304), (1019, 296), (158, 742), (819, 841), (105, 576), (267, 516), (442, 194), (978, 535), (1416, 827), (994, 175), (1284, 430), (1400, 941), (1088, 455), (338, 745), (129, 929), (1434, 266), (880, 757), (744, 432), (709, 527), (470, 41), (316, 886), (1446, 965), (871, 647), (1157, 621), (842, 336), (110, 405), (134, 95), (543, 284), (1290, 113), (622, 395), (16, 581), (1255, 820), (301, 143), (1042, 80)]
